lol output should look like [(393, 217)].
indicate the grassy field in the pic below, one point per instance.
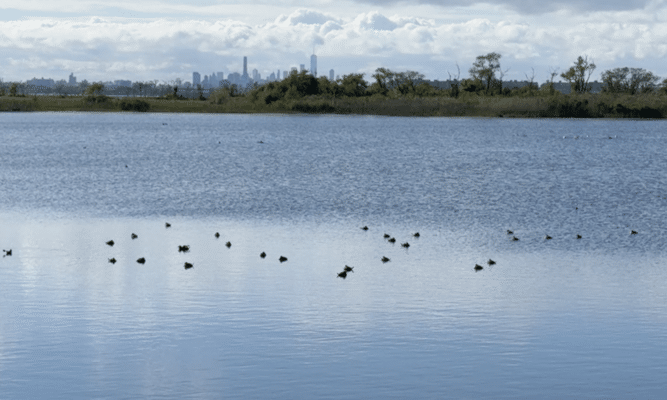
[(563, 106)]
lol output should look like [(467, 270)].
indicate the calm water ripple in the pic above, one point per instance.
[(558, 318)]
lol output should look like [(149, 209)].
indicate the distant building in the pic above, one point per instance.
[(256, 75), (234, 78), (72, 79), (220, 77), (294, 70), (41, 82), (272, 77), (313, 65), (213, 80), (284, 74), (196, 79), (205, 84), (331, 74), (245, 66), (278, 75), (303, 67), (121, 82)]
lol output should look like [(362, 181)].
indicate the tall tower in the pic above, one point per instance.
[(331, 74), (313, 65), (196, 79), (245, 66)]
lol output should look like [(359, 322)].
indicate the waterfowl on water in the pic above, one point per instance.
[(633, 232), (578, 236), (141, 260), (342, 275), (282, 259), (392, 240), (7, 252), (490, 262), (416, 234), (112, 260), (509, 232), (515, 239), (365, 228), (167, 225), (263, 255), (386, 236), (110, 242), (217, 235), (547, 237), (228, 244), (385, 259), (348, 269), (478, 267), (406, 244), (134, 236), (184, 249), (187, 265)]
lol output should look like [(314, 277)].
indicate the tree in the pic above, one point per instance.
[(83, 85), (454, 91), (383, 78), (485, 68), (13, 90), (95, 89), (628, 80), (353, 85), (579, 74)]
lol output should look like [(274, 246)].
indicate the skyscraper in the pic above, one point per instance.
[(196, 79), (303, 68), (278, 75), (331, 75), (72, 79), (245, 66), (313, 65)]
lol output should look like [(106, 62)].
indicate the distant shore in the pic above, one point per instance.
[(588, 105)]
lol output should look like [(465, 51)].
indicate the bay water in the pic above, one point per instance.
[(552, 318)]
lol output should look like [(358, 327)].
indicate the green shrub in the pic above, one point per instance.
[(134, 105)]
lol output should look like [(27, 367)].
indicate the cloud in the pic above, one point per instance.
[(104, 48)]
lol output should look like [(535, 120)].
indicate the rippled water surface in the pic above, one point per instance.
[(559, 318)]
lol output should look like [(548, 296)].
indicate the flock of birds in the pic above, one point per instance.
[(181, 249)]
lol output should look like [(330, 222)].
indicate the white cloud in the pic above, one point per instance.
[(107, 48)]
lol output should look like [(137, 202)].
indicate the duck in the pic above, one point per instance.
[(392, 240), (342, 275), (228, 244), (406, 245), (348, 269), (385, 259), (134, 236), (578, 236), (187, 265), (110, 243), (509, 232), (547, 237), (7, 252), (416, 234), (282, 259), (141, 260), (490, 262), (263, 255), (478, 267), (183, 249), (633, 232), (386, 236), (515, 239), (112, 260), (365, 228), (217, 235), (167, 225)]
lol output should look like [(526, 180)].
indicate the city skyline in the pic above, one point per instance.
[(172, 41)]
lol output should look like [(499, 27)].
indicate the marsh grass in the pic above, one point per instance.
[(602, 105)]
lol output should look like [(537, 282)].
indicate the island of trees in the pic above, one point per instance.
[(625, 93)]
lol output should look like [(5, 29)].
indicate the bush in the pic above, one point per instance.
[(134, 105), (312, 108)]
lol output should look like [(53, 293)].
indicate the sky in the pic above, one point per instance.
[(168, 39)]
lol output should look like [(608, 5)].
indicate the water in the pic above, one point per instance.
[(553, 318)]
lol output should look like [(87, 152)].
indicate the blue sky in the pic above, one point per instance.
[(168, 39)]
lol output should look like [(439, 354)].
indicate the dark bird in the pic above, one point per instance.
[(187, 265), (509, 232), (110, 242), (228, 244), (365, 228), (578, 236), (7, 252), (167, 225), (515, 239), (134, 236), (490, 262), (385, 259), (141, 260), (392, 240), (406, 244), (478, 267), (112, 260), (547, 237), (263, 255), (282, 259), (342, 275), (386, 236), (633, 232), (260, 142), (348, 269), (184, 249), (416, 234), (217, 235)]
